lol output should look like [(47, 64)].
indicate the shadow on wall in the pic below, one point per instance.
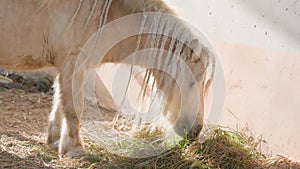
[(283, 14)]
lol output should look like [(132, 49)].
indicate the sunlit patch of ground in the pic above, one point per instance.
[(23, 123)]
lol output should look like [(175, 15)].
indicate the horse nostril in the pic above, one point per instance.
[(194, 133)]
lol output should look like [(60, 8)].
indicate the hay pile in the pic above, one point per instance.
[(225, 149)]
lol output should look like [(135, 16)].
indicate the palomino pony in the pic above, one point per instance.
[(41, 33)]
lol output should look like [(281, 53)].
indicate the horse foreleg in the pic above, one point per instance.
[(55, 118), (70, 144)]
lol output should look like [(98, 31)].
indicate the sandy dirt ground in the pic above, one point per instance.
[(23, 125)]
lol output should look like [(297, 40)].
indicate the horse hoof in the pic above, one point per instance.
[(75, 152), (54, 145)]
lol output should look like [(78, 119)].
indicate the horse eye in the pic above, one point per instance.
[(192, 84)]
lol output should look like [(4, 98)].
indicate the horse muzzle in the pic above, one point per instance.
[(194, 133)]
